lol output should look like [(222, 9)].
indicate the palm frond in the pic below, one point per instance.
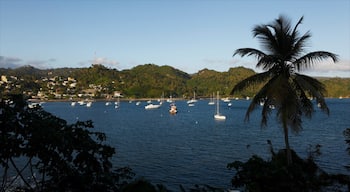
[(300, 43), (267, 62), (252, 80), (249, 52), (295, 31), (255, 102), (266, 37), (313, 87), (266, 111), (307, 60), (305, 102), (290, 117), (283, 37), (263, 94), (289, 111), (284, 23)]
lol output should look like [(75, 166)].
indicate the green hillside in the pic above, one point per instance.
[(143, 81), (337, 87)]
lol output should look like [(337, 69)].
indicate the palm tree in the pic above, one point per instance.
[(283, 87)]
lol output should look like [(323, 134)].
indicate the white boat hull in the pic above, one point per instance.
[(152, 106), (219, 117)]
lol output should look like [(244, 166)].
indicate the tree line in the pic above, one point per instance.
[(153, 81)]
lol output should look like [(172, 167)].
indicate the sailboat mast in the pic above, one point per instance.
[(217, 102)]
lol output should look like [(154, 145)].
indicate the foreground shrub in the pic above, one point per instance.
[(45, 153), (258, 174)]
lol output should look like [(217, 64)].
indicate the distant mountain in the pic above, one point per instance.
[(23, 71), (150, 80), (28, 70), (337, 87)]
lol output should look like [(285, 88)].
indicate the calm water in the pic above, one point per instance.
[(192, 148)]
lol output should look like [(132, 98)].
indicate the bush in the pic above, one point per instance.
[(261, 175), (47, 154)]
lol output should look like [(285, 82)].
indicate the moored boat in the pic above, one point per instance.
[(193, 100), (173, 109), (211, 102), (152, 106), (217, 115), (89, 104)]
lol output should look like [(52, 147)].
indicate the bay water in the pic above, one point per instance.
[(191, 147)]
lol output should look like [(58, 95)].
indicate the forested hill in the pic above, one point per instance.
[(147, 80)]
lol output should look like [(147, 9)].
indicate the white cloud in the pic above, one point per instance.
[(52, 60), (326, 68), (342, 65), (14, 62), (10, 62), (104, 61), (330, 69), (41, 64)]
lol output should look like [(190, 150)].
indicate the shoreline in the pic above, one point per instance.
[(140, 99)]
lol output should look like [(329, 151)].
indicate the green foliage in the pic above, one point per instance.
[(283, 87), (56, 156), (337, 87), (261, 175), (145, 81), (347, 140), (150, 80), (97, 75), (206, 81), (142, 185)]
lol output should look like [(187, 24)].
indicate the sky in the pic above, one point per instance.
[(189, 35)]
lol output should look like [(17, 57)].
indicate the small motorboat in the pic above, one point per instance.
[(173, 109)]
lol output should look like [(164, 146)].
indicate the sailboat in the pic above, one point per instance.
[(117, 103), (89, 104), (211, 102), (192, 101), (217, 115), (73, 103)]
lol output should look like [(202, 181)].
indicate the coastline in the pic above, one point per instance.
[(139, 99)]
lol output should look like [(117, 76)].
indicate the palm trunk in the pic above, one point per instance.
[(286, 141)]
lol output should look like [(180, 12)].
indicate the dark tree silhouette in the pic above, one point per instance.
[(47, 154), (282, 57)]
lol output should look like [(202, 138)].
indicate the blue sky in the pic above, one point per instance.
[(189, 35)]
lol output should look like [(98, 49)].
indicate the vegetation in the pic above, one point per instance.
[(143, 81), (44, 153), (275, 174), (152, 81), (336, 87), (41, 152), (47, 154), (284, 88), (347, 140), (209, 81)]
